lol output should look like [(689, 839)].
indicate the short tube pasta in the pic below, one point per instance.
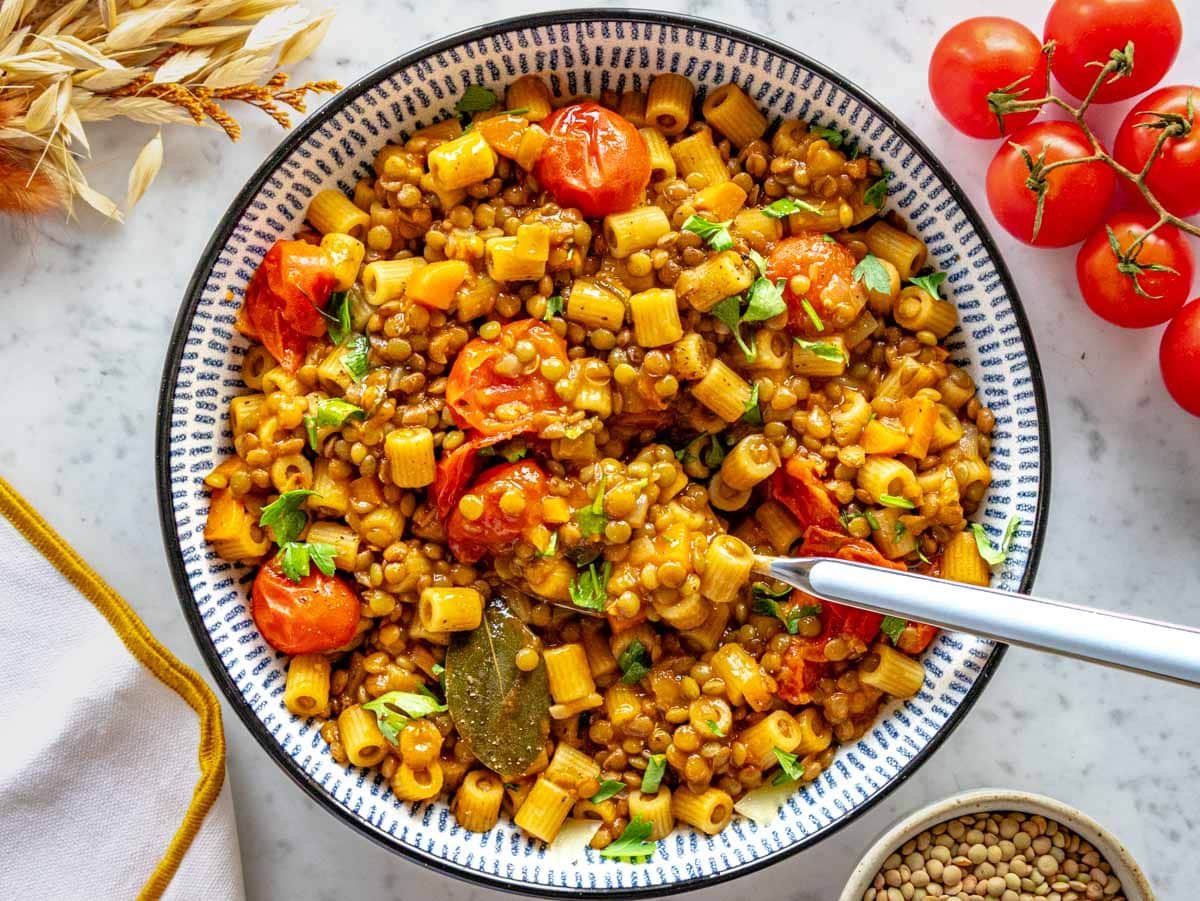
[(723, 391), (662, 163), (410, 457), (727, 565), (417, 785), (462, 162), (450, 609), (744, 677), (636, 229), (594, 306), (655, 809), (709, 811), (655, 315), (892, 672), (569, 766), (306, 691), (332, 212), (697, 155), (544, 810), (364, 743), (733, 114), (884, 475), (962, 562), (477, 803), (718, 277), (752, 460), (669, 103), (899, 248), (777, 729), (815, 733), (919, 311), (385, 280), (569, 673)]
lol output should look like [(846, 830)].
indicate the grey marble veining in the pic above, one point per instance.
[(88, 309)]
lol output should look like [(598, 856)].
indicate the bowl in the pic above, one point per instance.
[(587, 51), (989, 800)]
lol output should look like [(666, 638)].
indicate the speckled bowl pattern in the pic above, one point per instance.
[(996, 800), (585, 51)]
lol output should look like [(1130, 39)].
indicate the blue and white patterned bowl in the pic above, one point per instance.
[(585, 51)]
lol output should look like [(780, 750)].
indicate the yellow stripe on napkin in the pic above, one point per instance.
[(147, 650)]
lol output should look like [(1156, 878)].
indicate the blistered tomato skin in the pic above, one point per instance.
[(594, 160), (285, 297), (319, 613), (508, 501)]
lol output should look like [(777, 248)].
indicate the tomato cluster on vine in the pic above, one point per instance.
[(1055, 183)]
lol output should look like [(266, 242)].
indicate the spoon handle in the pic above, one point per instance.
[(1132, 643)]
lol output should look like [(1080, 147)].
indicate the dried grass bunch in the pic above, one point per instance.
[(64, 63)]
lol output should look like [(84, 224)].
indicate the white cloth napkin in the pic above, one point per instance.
[(112, 765)]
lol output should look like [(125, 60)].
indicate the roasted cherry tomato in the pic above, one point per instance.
[(455, 470), (835, 296), (285, 298), (805, 660), (981, 56), (797, 487), (1161, 285), (595, 160), (508, 500), (481, 398), (318, 613), (1076, 196), (1174, 179), (1085, 32), (1179, 358)]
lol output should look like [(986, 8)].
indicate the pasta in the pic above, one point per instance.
[(514, 388)]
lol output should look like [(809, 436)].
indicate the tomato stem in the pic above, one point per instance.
[(1119, 64)]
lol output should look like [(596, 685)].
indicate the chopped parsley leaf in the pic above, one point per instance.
[(790, 767), (891, 500), (632, 843), (554, 307), (893, 627), (753, 413), (786, 206), (608, 788), (634, 662), (989, 552), (589, 589), (872, 273), (826, 350), (475, 99), (592, 518), (656, 768), (715, 234), (929, 283)]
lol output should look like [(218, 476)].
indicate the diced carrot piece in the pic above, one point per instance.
[(434, 285)]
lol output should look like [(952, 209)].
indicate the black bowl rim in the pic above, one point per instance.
[(191, 301)]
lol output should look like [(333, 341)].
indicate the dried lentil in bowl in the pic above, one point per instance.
[(1007, 856)]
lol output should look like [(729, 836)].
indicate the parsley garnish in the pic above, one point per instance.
[(331, 412), (687, 453), (872, 273), (396, 709), (356, 358), (608, 788), (832, 135), (592, 519), (285, 516), (786, 206), (812, 315), (768, 603), (924, 559), (900, 531), (475, 99), (632, 842), (589, 589), (729, 311), (753, 413), (995, 555), (634, 662), (554, 307), (714, 728), (338, 318), (715, 455), (877, 193), (765, 300), (551, 546), (294, 558), (891, 500), (715, 234), (790, 767), (847, 518), (929, 283), (826, 350), (652, 778), (893, 627)]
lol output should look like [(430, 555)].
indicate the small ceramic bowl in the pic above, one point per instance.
[(993, 800)]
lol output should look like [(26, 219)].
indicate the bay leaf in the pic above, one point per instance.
[(502, 713)]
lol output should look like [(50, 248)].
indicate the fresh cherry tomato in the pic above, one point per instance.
[(1087, 31), (511, 498), (1076, 196), (980, 56), (594, 160), (481, 398), (1174, 179), (797, 487), (284, 300), (1158, 292), (1179, 358), (318, 613), (835, 295)]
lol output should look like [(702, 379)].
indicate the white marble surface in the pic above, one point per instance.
[(87, 311)]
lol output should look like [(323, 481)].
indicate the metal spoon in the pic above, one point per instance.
[(1165, 650)]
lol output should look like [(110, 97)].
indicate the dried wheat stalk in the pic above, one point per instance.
[(161, 62)]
